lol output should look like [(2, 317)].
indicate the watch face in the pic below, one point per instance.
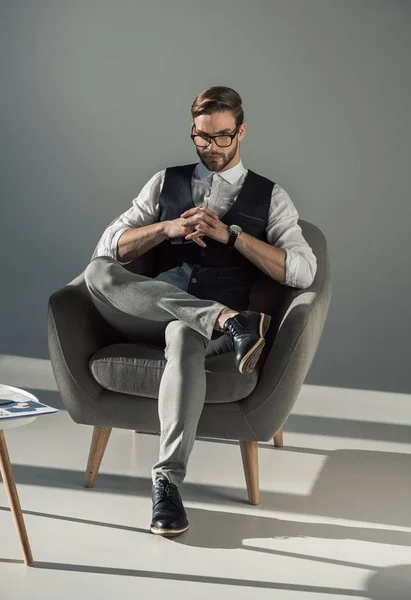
[(236, 229)]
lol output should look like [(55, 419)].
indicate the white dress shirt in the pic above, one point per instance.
[(219, 191)]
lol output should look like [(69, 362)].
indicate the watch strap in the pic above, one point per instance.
[(232, 240)]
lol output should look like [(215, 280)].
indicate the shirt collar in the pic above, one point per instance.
[(231, 175)]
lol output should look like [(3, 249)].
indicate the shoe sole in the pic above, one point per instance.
[(249, 361), (168, 532)]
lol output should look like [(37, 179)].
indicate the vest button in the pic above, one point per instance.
[(194, 280), (202, 253)]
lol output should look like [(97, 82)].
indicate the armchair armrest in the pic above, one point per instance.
[(76, 330), (290, 357)]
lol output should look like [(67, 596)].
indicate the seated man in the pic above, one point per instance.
[(215, 226)]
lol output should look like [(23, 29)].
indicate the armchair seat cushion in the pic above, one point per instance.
[(137, 369)]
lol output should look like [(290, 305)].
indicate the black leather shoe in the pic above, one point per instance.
[(247, 330), (169, 516)]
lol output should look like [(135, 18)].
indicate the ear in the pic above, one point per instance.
[(242, 132)]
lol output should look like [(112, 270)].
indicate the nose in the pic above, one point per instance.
[(212, 146)]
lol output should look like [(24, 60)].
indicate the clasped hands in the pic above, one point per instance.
[(197, 222)]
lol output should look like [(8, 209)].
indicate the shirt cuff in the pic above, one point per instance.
[(292, 267), (300, 269), (114, 243)]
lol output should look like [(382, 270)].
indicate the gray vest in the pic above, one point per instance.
[(215, 272)]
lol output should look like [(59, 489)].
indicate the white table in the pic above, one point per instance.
[(7, 472)]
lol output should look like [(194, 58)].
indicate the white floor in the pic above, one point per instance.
[(334, 519)]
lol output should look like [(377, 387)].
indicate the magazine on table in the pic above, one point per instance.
[(14, 405)]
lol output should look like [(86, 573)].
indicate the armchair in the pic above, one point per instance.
[(80, 339)]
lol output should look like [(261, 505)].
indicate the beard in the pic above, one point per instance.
[(213, 165)]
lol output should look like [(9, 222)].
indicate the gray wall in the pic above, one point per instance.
[(95, 99)]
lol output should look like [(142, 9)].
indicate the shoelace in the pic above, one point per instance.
[(162, 489), (165, 490), (232, 328)]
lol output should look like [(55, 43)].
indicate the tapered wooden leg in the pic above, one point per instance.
[(98, 445), (11, 490), (278, 438), (249, 454)]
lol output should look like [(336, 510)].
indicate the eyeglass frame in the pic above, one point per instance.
[(212, 137)]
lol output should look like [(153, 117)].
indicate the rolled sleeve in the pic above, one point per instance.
[(114, 244), (284, 232), (145, 210), (300, 269)]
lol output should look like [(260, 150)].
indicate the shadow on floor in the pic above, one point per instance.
[(356, 485), (387, 583), (216, 529)]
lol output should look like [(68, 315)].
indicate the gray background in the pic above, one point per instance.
[(95, 98)]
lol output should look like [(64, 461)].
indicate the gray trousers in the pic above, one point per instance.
[(151, 311)]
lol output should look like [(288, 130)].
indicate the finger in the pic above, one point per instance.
[(189, 212), (202, 228), (195, 235), (208, 212), (196, 238), (199, 209), (188, 225), (207, 219), (202, 218)]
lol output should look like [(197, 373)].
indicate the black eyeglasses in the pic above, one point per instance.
[(224, 140)]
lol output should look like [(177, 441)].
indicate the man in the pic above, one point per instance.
[(215, 226)]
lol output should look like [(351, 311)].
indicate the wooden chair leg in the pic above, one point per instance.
[(249, 454), (278, 438), (98, 445), (11, 490)]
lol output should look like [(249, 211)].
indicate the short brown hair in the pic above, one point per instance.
[(216, 99)]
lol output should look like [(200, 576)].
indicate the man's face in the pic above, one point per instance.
[(214, 157)]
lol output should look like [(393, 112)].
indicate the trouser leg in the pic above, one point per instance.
[(181, 397), (143, 309), (127, 300)]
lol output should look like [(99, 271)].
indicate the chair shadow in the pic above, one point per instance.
[(216, 529), (386, 583), (35, 513), (357, 485), (223, 581), (225, 530), (360, 485), (349, 428)]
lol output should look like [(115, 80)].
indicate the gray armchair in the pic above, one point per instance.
[(79, 339)]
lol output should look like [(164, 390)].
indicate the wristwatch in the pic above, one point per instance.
[(234, 231)]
